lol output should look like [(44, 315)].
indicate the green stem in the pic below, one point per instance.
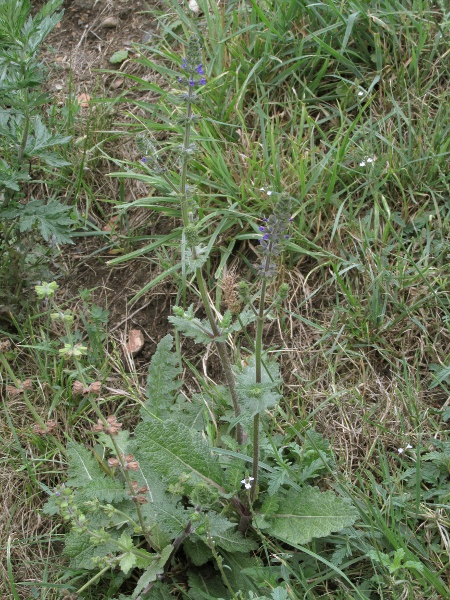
[(219, 562), (127, 476), (184, 164), (26, 129), (106, 426), (24, 138), (91, 581), (108, 567), (223, 352), (221, 346), (258, 377)]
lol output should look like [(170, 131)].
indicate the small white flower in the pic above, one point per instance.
[(408, 447), (370, 160), (268, 192), (247, 482), (400, 450), (362, 163), (360, 93)]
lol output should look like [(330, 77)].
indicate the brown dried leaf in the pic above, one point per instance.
[(135, 342), (83, 100)]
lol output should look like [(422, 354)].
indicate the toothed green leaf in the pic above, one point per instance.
[(197, 551), (162, 380), (308, 514), (83, 468), (152, 571), (174, 451), (79, 548), (190, 326), (51, 219)]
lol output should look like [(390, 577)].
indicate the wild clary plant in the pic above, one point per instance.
[(193, 495), (27, 144)]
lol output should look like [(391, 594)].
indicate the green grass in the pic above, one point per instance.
[(367, 263)]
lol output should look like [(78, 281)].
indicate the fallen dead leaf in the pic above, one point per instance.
[(116, 84), (83, 100), (111, 224), (135, 342)]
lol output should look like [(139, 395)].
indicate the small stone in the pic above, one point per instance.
[(109, 23)]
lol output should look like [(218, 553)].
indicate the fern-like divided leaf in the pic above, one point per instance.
[(175, 451), (309, 514), (162, 381), (52, 219)]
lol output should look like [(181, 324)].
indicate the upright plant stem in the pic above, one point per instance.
[(258, 376), (105, 424), (221, 346)]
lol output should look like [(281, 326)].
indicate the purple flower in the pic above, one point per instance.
[(200, 70), (272, 240), (184, 64), (202, 81), (192, 82), (144, 159)]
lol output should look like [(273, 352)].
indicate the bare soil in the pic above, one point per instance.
[(77, 52)]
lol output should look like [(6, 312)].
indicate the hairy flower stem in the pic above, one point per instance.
[(219, 562), (223, 354), (135, 551), (221, 346), (184, 164), (105, 424), (127, 476), (258, 365), (93, 579)]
